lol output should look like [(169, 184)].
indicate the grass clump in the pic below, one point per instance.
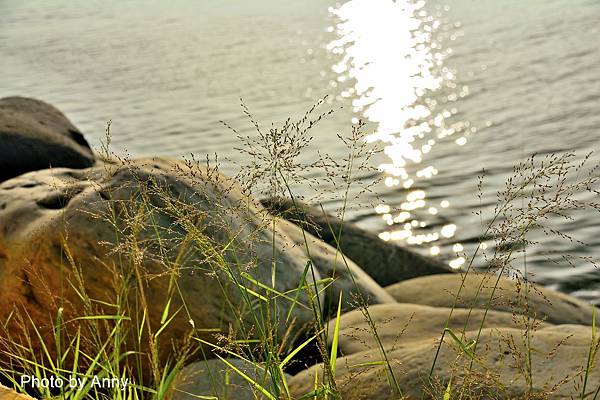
[(195, 270)]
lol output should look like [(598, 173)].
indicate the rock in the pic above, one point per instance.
[(65, 230), (333, 264), (215, 379), (498, 371), (34, 135), (399, 325), (568, 329), (545, 304), (9, 394), (385, 262)]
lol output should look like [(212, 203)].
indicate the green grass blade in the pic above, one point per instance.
[(465, 348), (448, 390), (270, 289), (336, 334), (300, 347), (253, 293), (165, 313), (166, 324), (315, 394), (248, 379), (101, 317), (298, 290), (368, 364)]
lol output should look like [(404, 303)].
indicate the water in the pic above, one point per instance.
[(448, 88)]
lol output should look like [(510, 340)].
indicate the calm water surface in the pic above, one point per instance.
[(447, 88)]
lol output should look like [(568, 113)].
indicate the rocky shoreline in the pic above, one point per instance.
[(59, 246)]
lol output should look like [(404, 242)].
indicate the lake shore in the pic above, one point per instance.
[(168, 273)]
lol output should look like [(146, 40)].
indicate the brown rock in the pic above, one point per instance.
[(143, 232), (9, 394), (543, 303), (499, 370), (399, 325), (348, 278)]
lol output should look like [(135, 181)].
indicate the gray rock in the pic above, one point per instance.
[(348, 278), (34, 135), (399, 325), (385, 262), (215, 378), (543, 303), (498, 372)]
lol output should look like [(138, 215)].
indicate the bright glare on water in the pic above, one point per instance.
[(391, 52)]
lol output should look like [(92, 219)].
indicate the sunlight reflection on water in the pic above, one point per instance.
[(166, 73), (390, 51)]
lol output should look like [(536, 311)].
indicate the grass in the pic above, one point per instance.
[(170, 228)]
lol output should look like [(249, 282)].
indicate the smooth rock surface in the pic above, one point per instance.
[(398, 325), (499, 371), (543, 303), (108, 219), (385, 262), (35, 135), (333, 264), (204, 379)]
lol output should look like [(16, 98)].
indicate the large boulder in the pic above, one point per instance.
[(385, 262), (499, 369), (356, 286), (400, 324), (510, 295), (34, 135), (222, 380), (152, 236)]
